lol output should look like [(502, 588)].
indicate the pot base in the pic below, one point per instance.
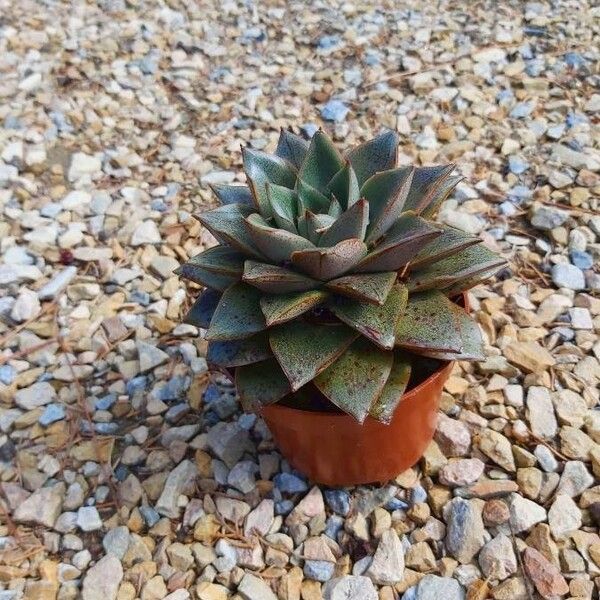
[(336, 450)]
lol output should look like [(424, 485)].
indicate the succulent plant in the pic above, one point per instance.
[(329, 270)]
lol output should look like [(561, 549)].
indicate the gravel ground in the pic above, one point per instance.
[(127, 469)]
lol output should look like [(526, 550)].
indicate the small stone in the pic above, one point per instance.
[(102, 580), (575, 479), (465, 531), (84, 164), (42, 507), (568, 276), (452, 436), (116, 541), (387, 567), (338, 501), (546, 458), (150, 356), (254, 588), (497, 558), (146, 233), (432, 587), (57, 283), (335, 110), (229, 442), (350, 587), (180, 556), (571, 408), (524, 514), (498, 448), (529, 356), (547, 218), (318, 570), (179, 478), (52, 413), (545, 576), (259, 521), (308, 508), (540, 412), (564, 517), (88, 518), (461, 472), (495, 512)]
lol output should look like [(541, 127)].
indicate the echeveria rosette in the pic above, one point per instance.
[(329, 270)]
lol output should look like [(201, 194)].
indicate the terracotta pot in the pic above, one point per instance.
[(332, 448)]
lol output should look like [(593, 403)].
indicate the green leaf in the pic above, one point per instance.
[(262, 168), (276, 280), (399, 245), (449, 242), (327, 263), (321, 163), (232, 194), (292, 148), (276, 244), (355, 381), (284, 205), (279, 308), (470, 334), (378, 323), (378, 154), (384, 407), (386, 192), (344, 186), (260, 384), (335, 208), (209, 279), (203, 309), (429, 324), (238, 314), (316, 224), (467, 263), (370, 287), (312, 199), (468, 283), (218, 259), (426, 186), (236, 353), (226, 223), (442, 192), (351, 224), (304, 349)]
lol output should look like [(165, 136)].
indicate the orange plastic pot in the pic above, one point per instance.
[(335, 449)]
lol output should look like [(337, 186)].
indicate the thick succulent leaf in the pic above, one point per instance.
[(399, 245), (232, 194), (468, 283), (316, 225), (238, 314), (203, 309), (378, 154), (383, 408), (429, 324), (351, 224), (236, 353), (426, 184), (276, 244), (344, 186), (304, 349), (260, 384), (262, 168), (302, 224), (369, 287), (284, 205), (443, 191), (335, 208), (279, 308), (321, 163), (327, 263), (226, 223), (449, 242), (467, 263), (292, 148), (386, 192), (218, 259), (276, 280), (355, 381), (209, 279), (470, 334), (378, 323), (312, 199)]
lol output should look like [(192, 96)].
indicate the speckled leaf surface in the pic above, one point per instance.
[(304, 349), (312, 199), (386, 192), (291, 147), (203, 309), (467, 263), (233, 194), (262, 168), (238, 314), (315, 225), (321, 163), (426, 183), (469, 282), (439, 195), (449, 242), (276, 280), (357, 378), (351, 224), (470, 334), (276, 244), (370, 287), (284, 205), (279, 308), (344, 186), (260, 384), (399, 245), (378, 154), (378, 323), (218, 259), (327, 263), (236, 353), (335, 208), (384, 406), (227, 224), (429, 323), (209, 279)]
